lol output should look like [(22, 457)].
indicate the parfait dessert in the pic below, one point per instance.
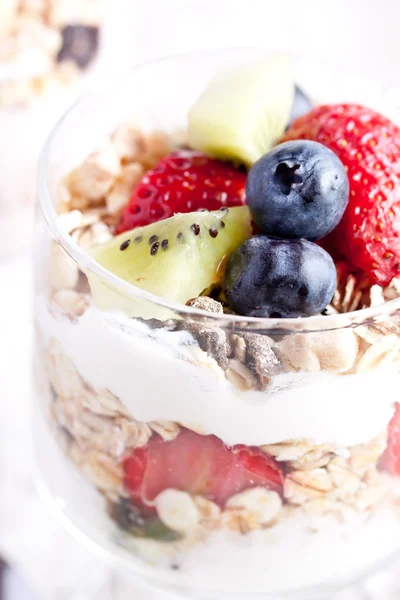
[(218, 318), (45, 48)]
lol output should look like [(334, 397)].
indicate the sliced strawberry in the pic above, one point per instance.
[(368, 144), (390, 460), (183, 182), (197, 464)]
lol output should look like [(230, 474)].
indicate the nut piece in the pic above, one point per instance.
[(95, 177), (177, 510), (257, 506)]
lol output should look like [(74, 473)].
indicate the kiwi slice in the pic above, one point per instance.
[(129, 519), (175, 259), (243, 113)]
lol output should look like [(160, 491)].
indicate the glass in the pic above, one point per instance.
[(210, 455)]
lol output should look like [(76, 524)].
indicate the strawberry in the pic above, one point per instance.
[(197, 464), (368, 144), (390, 460), (183, 182)]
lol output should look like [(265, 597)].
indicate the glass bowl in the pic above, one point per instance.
[(209, 455)]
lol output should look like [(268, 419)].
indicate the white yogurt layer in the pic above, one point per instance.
[(157, 375), (294, 554)]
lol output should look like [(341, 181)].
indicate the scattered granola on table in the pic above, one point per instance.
[(45, 44)]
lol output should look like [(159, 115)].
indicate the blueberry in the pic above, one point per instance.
[(301, 105), (79, 44), (271, 277), (298, 190)]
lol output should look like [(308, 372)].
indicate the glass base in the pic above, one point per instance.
[(113, 574), (118, 587)]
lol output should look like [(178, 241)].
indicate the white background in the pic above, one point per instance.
[(363, 32)]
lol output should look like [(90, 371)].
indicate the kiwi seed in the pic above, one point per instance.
[(138, 239), (195, 228), (164, 244), (153, 239), (213, 232), (154, 248), (125, 244)]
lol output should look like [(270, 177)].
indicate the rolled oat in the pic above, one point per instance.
[(256, 507), (92, 180)]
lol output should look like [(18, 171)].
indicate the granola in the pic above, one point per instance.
[(98, 432), (60, 36), (319, 479)]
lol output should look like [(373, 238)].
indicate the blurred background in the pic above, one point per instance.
[(362, 33)]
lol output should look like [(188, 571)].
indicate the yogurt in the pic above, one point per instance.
[(161, 375)]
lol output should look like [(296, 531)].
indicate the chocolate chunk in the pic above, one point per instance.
[(211, 340), (255, 352), (206, 303), (79, 44), (170, 325)]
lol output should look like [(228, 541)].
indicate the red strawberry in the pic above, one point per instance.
[(197, 464), (368, 144), (183, 182), (390, 460)]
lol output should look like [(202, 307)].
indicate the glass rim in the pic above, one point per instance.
[(85, 262)]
